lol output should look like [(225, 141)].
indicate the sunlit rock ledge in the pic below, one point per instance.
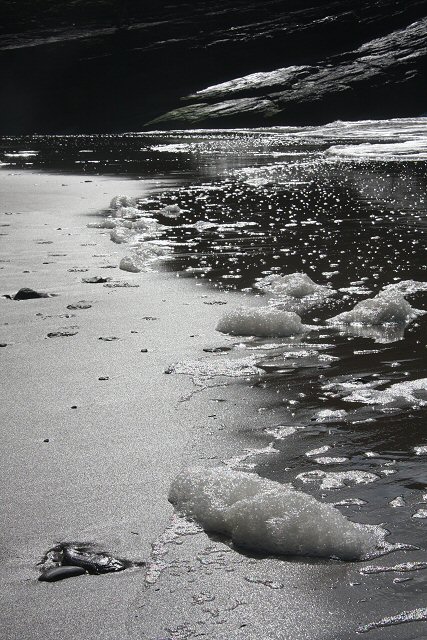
[(369, 72)]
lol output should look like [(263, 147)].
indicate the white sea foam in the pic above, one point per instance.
[(406, 287), (293, 292), (127, 213), (241, 461), (421, 513), (381, 334), (107, 223), (397, 502), (330, 415), (120, 235), (147, 225), (385, 308), (280, 433), (397, 151), (421, 450), (319, 451), (209, 368), (122, 201), (404, 567), (401, 394), (260, 321), (296, 285), (149, 251), (265, 516), (336, 480), (173, 148), (171, 211), (415, 615)]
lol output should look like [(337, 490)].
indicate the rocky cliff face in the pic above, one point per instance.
[(231, 63)]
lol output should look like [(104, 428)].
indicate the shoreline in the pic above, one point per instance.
[(101, 472)]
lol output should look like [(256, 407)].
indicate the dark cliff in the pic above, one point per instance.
[(112, 66)]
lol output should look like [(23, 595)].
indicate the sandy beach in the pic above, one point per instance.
[(105, 471)]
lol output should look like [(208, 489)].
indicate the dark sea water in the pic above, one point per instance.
[(347, 205)]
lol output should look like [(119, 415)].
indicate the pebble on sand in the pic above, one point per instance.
[(61, 334), (27, 294), (60, 573), (82, 304), (95, 280)]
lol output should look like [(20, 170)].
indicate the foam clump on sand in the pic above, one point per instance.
[(152, 251), (146, 225), (122, 201), (388, 307), (107, 223), (261, 321), (129, 264), (119, 235), (266, 516), (127, 213)]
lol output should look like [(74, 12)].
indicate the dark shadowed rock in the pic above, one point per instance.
[(75, 558), (92, 562), (28, 294)]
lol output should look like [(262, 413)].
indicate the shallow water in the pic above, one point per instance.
[(332, 203)]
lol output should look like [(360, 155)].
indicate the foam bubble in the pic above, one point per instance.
[(208, 368), (387, 307), (120, 235), (405, 616), (127, 213), (402, 394), (338, 479), (294, 292), (107, 223), (261, 321), (330, 415), (295, 285), (406, 287), (171, 211), (266, 516), (122, 201)]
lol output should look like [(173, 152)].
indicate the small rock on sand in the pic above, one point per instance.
[(61, 334), (95, 280), (28, 294), (82, 304), (60, 573)]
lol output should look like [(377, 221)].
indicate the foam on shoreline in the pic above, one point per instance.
[(268, 517)]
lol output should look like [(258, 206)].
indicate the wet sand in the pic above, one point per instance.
[(104, 474)]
